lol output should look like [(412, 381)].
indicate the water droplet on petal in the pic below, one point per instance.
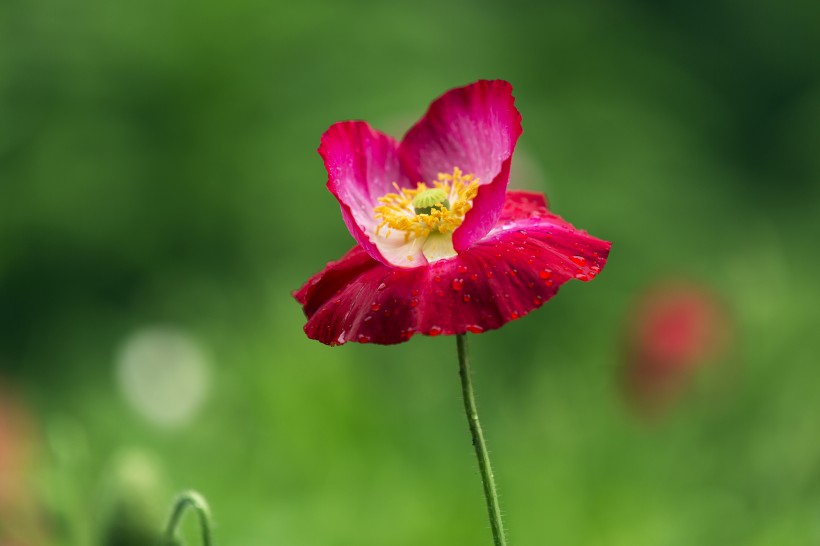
[(415, 292), (375, 307), (545, 274), (387, 312), (582, 277), (578, 260), (467, 298), (437, 278), (434, 331), (367, 318), (364, 339), (338, 302), (474, 276), (521, 234), (475, 329), (414, 302), (513, 272), (382, 286), (489, 274), (514, 315), (462, 269), (538, 300), (458, 284)]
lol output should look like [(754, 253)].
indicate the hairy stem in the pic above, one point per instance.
[(490, 493)]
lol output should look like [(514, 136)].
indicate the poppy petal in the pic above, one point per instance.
[(474, 128), (362, 165), (514, 270)]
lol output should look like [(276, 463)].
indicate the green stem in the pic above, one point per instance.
[(490, 493), (197, 502)]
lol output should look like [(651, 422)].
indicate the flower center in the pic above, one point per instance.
[(424, 202), (427, 210)]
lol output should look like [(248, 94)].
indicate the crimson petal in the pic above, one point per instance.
[(362, 165), (514, 270), (474, 128)]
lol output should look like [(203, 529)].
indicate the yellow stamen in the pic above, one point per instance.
[(398, 213)]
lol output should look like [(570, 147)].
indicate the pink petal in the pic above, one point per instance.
[(362, 165), (521, 204), (513, 271), (474, 128)]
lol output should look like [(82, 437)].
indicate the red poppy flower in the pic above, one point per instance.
[(442, 247)]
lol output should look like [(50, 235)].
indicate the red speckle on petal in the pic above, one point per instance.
[(458, 284)]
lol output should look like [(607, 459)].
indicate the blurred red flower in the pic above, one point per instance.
[(676, 329), (456, 253)]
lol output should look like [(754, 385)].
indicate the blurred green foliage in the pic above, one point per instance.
[(158, 166)]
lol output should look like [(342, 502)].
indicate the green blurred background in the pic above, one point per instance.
[(160, 196)]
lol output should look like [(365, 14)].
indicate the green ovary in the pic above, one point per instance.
[(427, 200)]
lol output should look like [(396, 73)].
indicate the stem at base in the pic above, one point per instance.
[(490, 493)]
